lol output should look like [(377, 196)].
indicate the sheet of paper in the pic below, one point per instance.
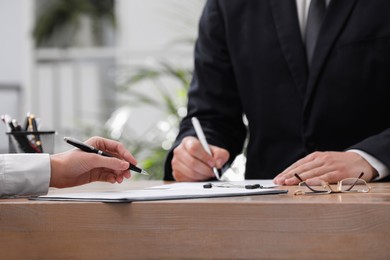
[(178, 190), (197, 185)]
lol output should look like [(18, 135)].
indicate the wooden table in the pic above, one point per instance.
[(336, 226)]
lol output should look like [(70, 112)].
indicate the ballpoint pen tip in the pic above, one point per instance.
[(144, 172)]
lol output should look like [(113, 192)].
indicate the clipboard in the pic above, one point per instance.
[(175, 191)]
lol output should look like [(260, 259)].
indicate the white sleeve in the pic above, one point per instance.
[(24, 174), (381, 168)]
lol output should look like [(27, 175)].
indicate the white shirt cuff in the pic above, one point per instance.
[(24, 174), (381, 168)]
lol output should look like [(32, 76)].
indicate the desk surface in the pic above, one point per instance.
[(337, 226)]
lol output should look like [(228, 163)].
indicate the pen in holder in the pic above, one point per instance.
[(31, 141)]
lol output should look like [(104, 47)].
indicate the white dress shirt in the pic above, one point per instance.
[(303, 9), (382, 169), (24, 174)]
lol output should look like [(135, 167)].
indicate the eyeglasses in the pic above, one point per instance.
[(345, 185)]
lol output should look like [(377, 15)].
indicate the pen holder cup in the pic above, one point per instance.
[(31, 142)]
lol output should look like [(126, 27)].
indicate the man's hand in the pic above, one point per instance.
[(191, 162), (75, 167), (326, 166)]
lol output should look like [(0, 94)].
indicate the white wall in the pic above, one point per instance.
[(150, 31), (147, 30), (146, 25), (15, 59), (11, 29)]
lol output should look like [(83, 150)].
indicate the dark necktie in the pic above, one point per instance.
[(315, 17)]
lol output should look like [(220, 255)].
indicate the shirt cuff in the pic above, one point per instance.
[(24, 174), (381, 168)]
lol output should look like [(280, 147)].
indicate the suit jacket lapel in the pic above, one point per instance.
[(287, 27), (335, 19)]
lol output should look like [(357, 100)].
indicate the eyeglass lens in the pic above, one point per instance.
[(353, 185)]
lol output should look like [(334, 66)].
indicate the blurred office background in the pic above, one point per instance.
[(117, 68)]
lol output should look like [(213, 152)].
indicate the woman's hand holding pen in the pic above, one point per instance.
[(75, 167), (192, 163)]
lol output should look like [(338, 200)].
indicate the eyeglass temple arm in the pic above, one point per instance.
[(310, 188), (354, 183)]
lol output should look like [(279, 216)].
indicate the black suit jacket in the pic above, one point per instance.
[(250, 59)]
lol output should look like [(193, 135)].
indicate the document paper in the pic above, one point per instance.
[(180, 190)]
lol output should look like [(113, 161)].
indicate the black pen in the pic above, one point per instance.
[(90, 149), (37, 139)]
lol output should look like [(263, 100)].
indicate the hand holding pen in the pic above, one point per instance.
[(75, 167), (91, 149), (191, 162)]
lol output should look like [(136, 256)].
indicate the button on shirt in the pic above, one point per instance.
[(24, 174)]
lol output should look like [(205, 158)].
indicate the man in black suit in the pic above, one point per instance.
[(324, 116)]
